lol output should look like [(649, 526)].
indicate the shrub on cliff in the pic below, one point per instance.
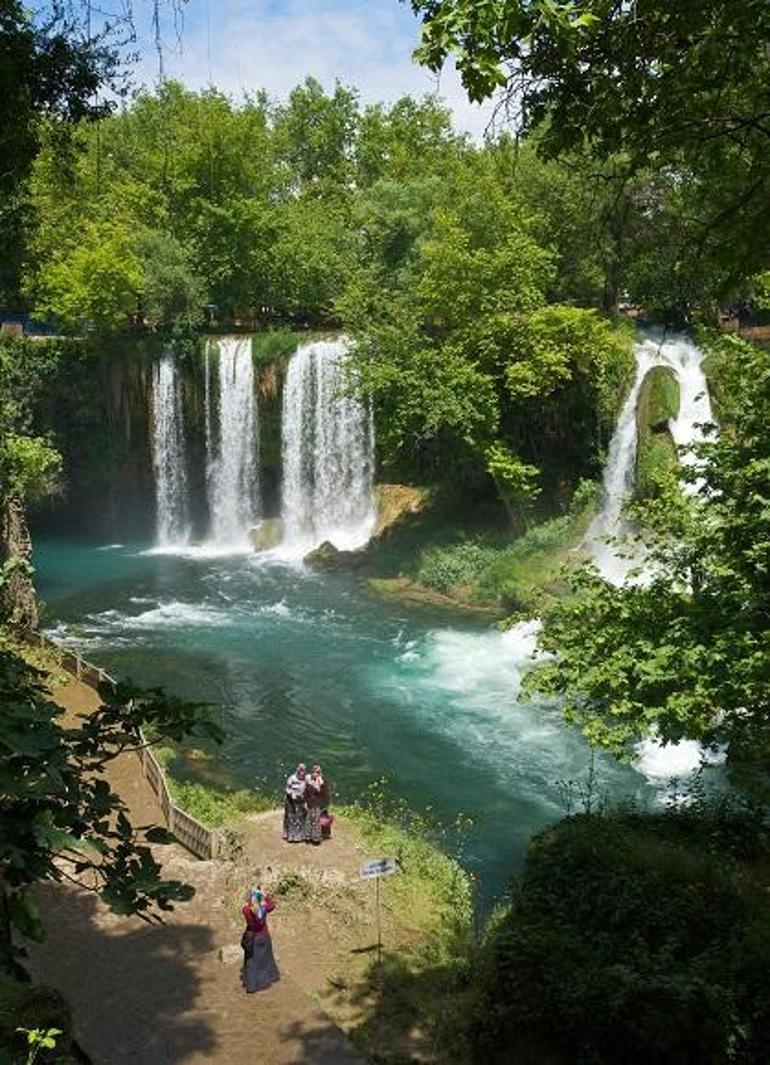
[(634, 937)]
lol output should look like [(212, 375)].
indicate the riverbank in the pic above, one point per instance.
[(434, 552), (154, 993)]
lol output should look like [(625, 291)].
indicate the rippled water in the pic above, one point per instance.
[(312, 667)]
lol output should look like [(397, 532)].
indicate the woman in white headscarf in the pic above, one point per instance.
[(295, 809)]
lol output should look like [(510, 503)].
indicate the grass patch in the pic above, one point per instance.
[(45, 659), (212, 804), (432, 891), (446, 567), (408, 1008), (519, 575)]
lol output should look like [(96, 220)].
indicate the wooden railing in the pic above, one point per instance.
[(197, 838)]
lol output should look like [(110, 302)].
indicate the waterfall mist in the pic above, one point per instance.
[(328, 453)]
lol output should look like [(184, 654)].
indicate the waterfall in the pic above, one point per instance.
[(685, 359), (168, 452), (232, 463), (655, 760), (328, 453)]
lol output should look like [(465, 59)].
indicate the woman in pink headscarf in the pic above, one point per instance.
[(259, 968), (295, 808)]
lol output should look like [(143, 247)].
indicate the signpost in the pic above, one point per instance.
[(375, 870)]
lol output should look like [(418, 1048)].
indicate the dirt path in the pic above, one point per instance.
[(153, 994)]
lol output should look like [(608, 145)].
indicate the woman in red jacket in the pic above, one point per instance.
[(259, 968)]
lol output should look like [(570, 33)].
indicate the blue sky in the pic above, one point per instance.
[(245, 45)]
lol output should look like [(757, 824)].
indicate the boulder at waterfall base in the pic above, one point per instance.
[(267, 534)]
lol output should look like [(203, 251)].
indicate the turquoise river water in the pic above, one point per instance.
[(313, 667)]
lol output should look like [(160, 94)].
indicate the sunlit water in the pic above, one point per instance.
[(312, 667)]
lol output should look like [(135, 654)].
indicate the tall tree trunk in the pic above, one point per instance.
[(19, 604), (8, 964)]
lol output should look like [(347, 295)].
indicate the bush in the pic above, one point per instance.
[(23, 1005), (634, 937), (519, 575), (444, 568)]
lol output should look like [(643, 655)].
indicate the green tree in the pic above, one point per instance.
[(315, 135), (632, 937), (59, 818), (170, 290), (657, 87), (96, 282), (48, 70), (687, 653)]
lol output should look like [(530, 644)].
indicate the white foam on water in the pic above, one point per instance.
[(280, 609), (661, 762), (202, 552), (172, 614), (111, 547), (466, 686)]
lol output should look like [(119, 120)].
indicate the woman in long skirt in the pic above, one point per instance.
[(259, 968), (295, 809), (316, 800)]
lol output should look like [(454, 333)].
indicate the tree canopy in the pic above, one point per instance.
[(656, 86)]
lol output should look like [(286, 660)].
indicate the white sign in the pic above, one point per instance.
[(378, 867)]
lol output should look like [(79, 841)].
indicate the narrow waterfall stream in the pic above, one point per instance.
[(328, 454), (232, 473), (685, 359), (615, 561), (168, 453)]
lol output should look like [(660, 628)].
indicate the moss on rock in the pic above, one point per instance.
[(656, 456)]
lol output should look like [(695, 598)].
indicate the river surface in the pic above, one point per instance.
[(313, 667)]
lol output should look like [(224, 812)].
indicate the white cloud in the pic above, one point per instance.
[(245, 45)]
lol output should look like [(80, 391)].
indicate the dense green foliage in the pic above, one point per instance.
[(455, 268), (687, 652), (49, 69), (633, 937), (189, 199), (674, 97), (656, 455), (471, 368), (29, 466)]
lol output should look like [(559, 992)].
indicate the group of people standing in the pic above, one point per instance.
[(306, 817)]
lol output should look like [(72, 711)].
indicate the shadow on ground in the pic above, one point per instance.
[(130, 985)]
